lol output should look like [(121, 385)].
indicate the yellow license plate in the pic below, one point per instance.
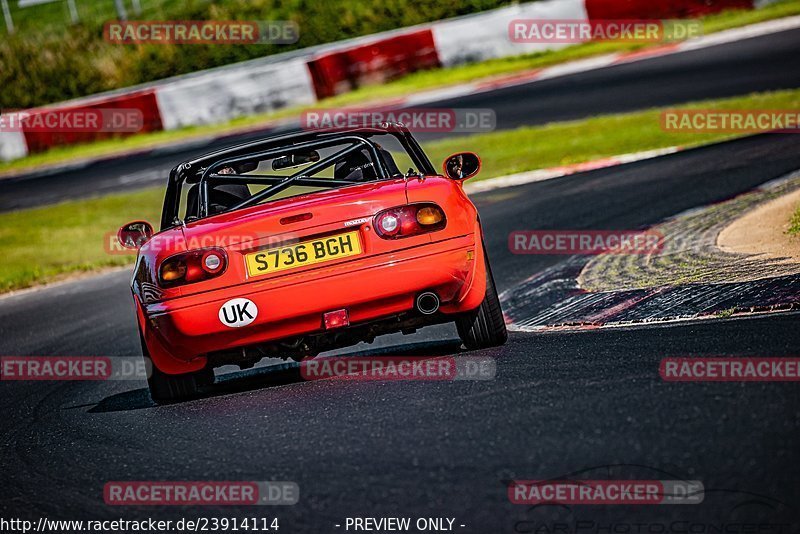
[(301, 254)]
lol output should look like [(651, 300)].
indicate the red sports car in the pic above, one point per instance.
[(302, 243)]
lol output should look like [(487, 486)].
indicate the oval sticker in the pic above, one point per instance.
[(238, 312)]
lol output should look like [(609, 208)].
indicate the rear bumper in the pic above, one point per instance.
[(179, 332)]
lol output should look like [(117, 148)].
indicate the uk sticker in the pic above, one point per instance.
[(237, 313)]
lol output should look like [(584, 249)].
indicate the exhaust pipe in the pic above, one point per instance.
[(427, 303)]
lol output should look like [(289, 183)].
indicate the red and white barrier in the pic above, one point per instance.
[(485, 35), (258, 86), (220, 95), (375, 61), (12, 146), (144, 101)]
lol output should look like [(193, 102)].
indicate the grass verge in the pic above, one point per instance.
[(564, 143), (419, 81), (794, 223), (44, 244)]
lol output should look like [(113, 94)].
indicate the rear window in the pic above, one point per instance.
[(299, 171)]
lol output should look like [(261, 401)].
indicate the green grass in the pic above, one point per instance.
[(415, 82), (523, 149), (56, 17), (794, 223), (50, 59), (43, 244)]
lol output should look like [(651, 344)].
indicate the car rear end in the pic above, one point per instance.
[(304, 274)]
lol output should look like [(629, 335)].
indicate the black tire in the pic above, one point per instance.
[(165, 388), (484, 327)]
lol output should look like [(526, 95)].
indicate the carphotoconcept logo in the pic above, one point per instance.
[(590, 242), (202, 32)]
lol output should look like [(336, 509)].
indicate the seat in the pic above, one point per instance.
[(222, 197), (355, 167), (358, 167)]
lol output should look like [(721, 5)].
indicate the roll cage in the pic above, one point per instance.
[(205, 169)]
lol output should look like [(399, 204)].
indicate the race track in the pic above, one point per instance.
[(561, 403), (587, 403)]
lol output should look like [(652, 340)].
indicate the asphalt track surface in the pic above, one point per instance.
[(750, 65), (588, 402)]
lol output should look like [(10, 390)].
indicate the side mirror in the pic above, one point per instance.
[(462, 165), (135, 234)]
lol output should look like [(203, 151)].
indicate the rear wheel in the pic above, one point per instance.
[(166, 388), (484, 327)]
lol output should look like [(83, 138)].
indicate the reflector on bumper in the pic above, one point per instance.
[(336, 319)]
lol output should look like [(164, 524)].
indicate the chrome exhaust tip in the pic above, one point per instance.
[(427, 303)]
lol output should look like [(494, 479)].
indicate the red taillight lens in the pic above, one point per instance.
[(405, 221), (192, 266)]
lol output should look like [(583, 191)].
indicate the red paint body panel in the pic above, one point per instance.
[(181, 325)]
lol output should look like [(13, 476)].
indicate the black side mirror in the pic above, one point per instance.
[(462, 166)]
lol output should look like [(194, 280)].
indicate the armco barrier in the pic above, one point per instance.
[(485, 36), (218, 95), (224, 94), (143, 101), (378, 61)]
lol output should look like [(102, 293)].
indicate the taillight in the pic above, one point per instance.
[(405, 221), (193, 266)]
